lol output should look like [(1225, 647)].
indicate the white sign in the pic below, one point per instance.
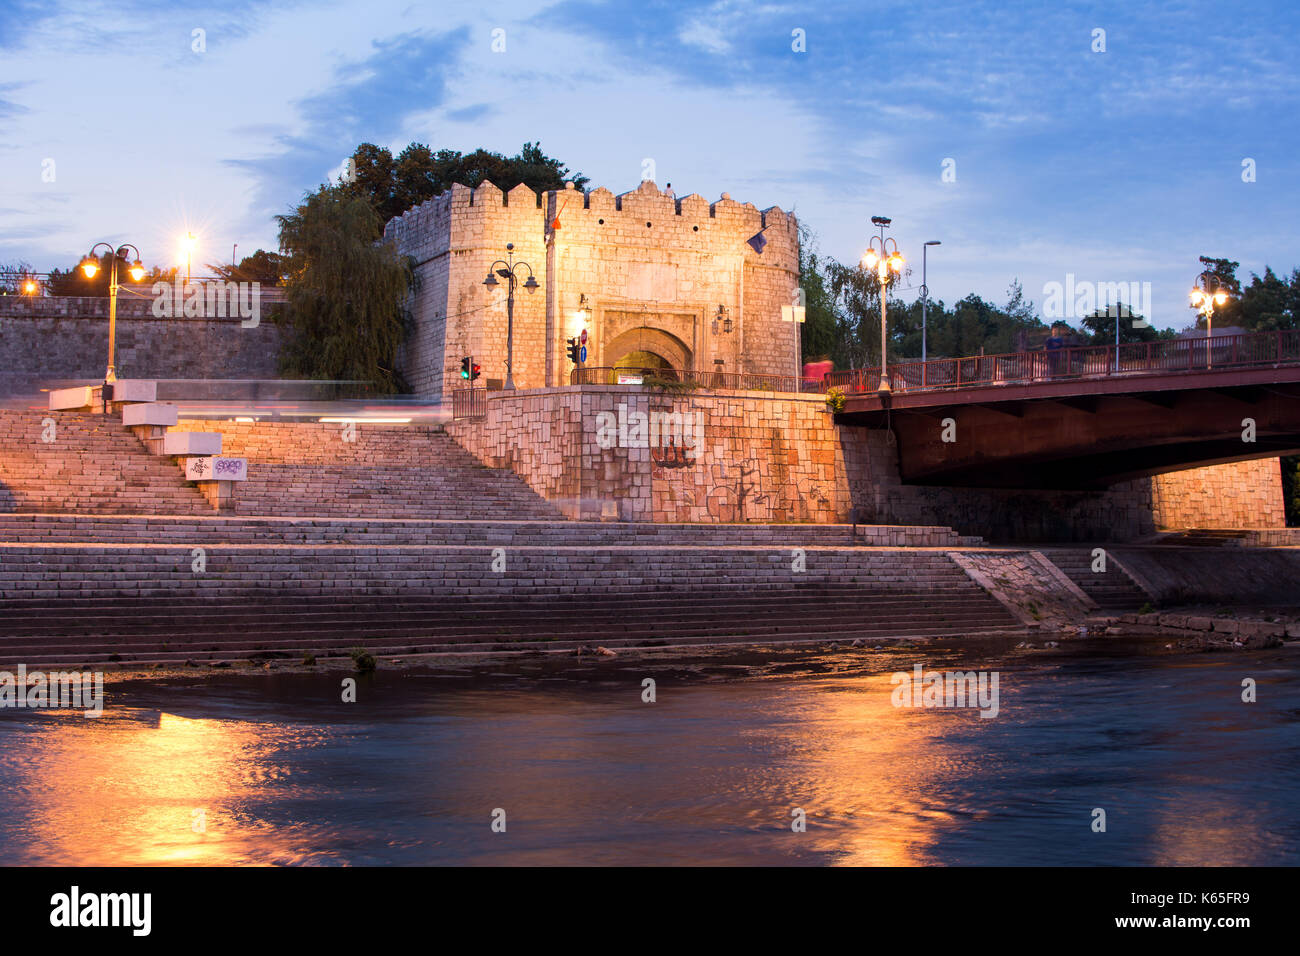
[(629, 378), (792, 313), (216, 468)]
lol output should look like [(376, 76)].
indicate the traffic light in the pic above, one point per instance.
[(464, 367), (573, 350), (475, 370)]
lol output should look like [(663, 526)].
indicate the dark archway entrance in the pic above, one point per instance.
[(646, 347), (642, 359)]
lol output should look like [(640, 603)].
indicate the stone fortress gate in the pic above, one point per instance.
[(654, 281), (684, 284)]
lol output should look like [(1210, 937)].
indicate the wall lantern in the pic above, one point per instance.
[(722, 321), (583, 314)]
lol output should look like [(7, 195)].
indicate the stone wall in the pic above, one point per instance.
[(780, 457), (761, 458), (638, 272), (1209, 576), (1242, 494), (46, 340)]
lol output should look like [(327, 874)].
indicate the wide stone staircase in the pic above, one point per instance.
[(1112, 589), (87, 464), (399, 541), (90, 603), (380, 471)]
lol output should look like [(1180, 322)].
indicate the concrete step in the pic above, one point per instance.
[(1113, 589)]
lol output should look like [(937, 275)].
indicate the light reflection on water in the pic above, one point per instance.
[(587, 773)]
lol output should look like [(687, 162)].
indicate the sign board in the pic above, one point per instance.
[(216, 468), (792, 313), (583, 338), (629, 378), (582, 355)]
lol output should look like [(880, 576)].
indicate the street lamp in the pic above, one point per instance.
[(507, 272), (925, 292), (887, 265), (1205, 295), (90, 266), (188, 243)]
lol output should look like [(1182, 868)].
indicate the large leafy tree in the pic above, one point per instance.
[(393, 186), (262, 267), (818, 335), (345, 292), (1269, 303), (1099, 327)]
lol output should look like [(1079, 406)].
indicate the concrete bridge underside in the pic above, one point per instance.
[(1086, 434)]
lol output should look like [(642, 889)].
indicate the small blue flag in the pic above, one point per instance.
[(758, 241)]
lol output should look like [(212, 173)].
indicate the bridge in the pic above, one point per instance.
[(1085, 418)]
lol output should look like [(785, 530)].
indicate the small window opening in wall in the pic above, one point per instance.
[(695, 228), (647, 225), (601, 221)]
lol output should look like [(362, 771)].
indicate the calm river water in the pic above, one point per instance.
[(274, 769)]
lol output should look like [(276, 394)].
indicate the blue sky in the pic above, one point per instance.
[(1115, 166)]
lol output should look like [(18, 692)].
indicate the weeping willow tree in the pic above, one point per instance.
[(345, 294)]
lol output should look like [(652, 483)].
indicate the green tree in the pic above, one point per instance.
[(1269, 304), (818, 335), (394, 186), (1099, 327), (1291, 489), (855, 292), (262, 267), (345, 293)]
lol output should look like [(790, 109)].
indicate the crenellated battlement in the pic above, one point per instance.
[(646, 200), (649, 277)]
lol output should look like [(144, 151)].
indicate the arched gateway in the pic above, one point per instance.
[(646, 279)]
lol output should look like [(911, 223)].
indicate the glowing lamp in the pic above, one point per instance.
[(89, 266), (136, 271)]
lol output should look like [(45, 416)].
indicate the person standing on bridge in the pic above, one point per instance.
[(1055, 342)]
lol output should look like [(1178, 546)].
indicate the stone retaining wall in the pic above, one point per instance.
[(50, 340), (1241, 494), (780, 457), (760, 457)]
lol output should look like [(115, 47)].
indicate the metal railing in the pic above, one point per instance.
[(690, 378), (1164, 356), (469, 403)]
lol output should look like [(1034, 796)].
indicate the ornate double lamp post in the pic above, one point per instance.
[(508, 271), (135, 269), (887, 265), (1205, 295)]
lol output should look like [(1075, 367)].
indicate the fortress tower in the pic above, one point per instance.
[(654, 281)]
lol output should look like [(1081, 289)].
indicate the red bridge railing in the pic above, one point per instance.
[(1097, 361), (738, 381)]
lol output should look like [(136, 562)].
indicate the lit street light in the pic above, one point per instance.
[(507, 272), (887, 265), (90, 266), (188, 244), (1205, 295), (925, 292)]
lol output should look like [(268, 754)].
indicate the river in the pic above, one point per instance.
[(271, 768)]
